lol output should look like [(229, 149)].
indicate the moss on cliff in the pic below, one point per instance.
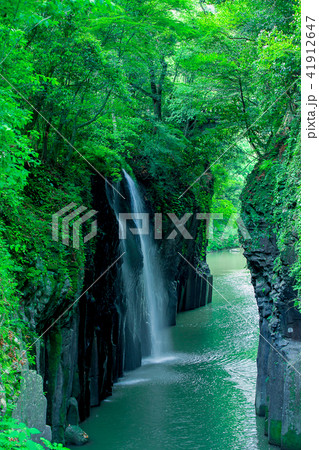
[(271, 207), (38, 277)]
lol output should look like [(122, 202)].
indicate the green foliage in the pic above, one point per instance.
[(30, 260), (15, 435), (226, 204), (13, 355), (287, 209), (184, 98), (273, 193)]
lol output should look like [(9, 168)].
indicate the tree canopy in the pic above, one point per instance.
[(187, 95)]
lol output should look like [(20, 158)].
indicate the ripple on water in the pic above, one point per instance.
[(132, 382), (243, 374), (159, 359)]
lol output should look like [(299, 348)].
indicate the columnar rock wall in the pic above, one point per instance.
[(278, 381)]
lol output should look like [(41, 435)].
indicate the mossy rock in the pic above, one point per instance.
[(291, 440), (75, 435), (274, 431)]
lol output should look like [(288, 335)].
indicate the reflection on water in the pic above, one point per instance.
[(202, 395)]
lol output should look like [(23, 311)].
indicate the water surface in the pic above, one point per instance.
[(201, 394)]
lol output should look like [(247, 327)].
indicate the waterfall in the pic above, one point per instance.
[(154, 293), (145, 289)]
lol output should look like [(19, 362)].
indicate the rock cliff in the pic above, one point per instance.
[(270, 260)]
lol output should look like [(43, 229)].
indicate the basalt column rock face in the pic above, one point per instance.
[(102, 311), (278, 361), (189, 275), (81, 354)]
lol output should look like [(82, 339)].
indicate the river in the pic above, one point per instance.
[(201, 394)]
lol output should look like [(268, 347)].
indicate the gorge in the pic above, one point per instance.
[(122, 320), (182, 330), (118, 321)]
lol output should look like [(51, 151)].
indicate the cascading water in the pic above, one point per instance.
[(154, 293), (146, 296)]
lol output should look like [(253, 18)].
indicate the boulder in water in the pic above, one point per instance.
[(75, 435)]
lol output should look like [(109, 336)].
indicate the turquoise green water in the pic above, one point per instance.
[(201, 394)]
